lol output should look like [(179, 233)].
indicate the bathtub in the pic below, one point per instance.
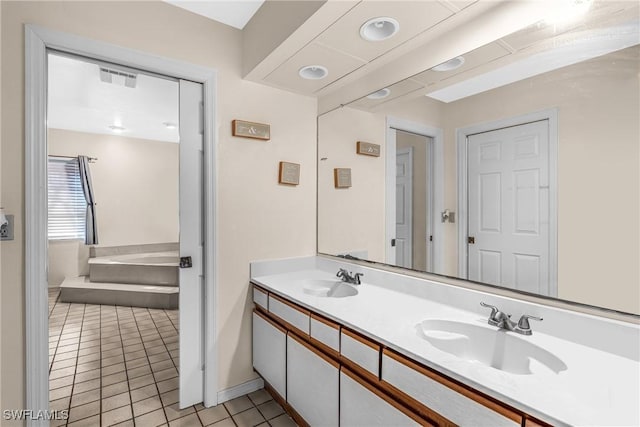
[(153, 268)]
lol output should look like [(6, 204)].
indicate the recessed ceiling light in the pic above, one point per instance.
[(378, 29), (313, 72), (117, 129), (170, 125), (449, 65), (382, 93)]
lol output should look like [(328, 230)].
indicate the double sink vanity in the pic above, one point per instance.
[(372, 347)]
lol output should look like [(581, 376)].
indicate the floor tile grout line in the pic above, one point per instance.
[(73, 384), (163, 341), (64, 322), (126, 372), (149, 362)]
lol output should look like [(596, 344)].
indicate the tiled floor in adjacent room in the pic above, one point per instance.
[(113, 365)]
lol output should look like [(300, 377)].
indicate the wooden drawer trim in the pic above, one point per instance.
[(259, 289), (315, 351), (285, 405), (364, 340), (459, 388), (268, 319), (373, 389), (324, 320), (290, 304)]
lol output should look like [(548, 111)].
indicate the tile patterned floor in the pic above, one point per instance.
[(115, 365)]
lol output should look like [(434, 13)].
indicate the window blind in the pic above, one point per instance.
[(66, 204)]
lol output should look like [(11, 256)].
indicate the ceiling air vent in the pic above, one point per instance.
[(109, 75)]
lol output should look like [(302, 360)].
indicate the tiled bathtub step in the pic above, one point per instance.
[(81, 290)]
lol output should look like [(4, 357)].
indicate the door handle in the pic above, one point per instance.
[(186, 262), (471, 240)]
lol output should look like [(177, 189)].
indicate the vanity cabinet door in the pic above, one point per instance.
[(361, 404), (444, 397), (312, 383), (270, 352)]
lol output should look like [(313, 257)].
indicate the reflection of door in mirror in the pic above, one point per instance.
[(508, 207), (413, 207)]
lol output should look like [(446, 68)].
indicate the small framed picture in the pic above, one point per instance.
[(289, 173), (342, 177), (368, 149), (250, 130)]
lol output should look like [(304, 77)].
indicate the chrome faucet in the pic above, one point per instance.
[(503, 321), (347, 277)]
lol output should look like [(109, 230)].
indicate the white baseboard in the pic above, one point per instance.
[(240, 390)]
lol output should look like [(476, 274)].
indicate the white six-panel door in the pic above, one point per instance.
[(191, 244), (404, 207), (508, 207)]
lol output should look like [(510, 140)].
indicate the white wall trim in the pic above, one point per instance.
[(37, 41), (435, 248), (461, 136), (240, 390)]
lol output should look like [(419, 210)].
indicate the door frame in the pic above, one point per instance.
[(38, 41), (435, 202), (462, 135), (408, 201)]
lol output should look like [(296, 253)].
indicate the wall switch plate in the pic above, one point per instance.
[(6, 232)]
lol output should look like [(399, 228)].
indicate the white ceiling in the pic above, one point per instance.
[(78, 100), (235, 13)]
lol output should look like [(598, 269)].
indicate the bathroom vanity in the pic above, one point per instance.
[(402, 350)]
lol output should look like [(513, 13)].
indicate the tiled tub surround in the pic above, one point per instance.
[(601, 385)]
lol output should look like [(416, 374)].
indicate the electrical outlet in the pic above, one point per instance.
[(6, 232)]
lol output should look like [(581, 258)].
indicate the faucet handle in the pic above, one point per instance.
[(494, 310), (341, 272), (357, 278), (523, 323)]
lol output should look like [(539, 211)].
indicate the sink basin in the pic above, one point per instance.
[(328, 288), (496, 348)]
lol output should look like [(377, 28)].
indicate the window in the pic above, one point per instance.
[(67, 205)]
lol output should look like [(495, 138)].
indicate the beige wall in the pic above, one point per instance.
[(598, 169), (353, 219), (255, 215), (135, 182)]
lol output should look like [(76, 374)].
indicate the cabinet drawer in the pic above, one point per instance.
[(325, 331), (260, 297), (361, 351), (441, 395), (295, 316)]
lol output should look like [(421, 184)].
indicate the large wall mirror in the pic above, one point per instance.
[(516, 165)]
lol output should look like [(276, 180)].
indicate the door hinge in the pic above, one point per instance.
[(431, 238), (393, 242), (471, 240)]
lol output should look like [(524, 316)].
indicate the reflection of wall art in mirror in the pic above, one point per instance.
[(250, 130), (368, 149), (342, 177), (289, 173)]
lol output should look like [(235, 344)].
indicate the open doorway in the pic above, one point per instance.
[(413, 195), (117, 143)]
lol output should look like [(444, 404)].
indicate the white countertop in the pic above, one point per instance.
[(598, 388)]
